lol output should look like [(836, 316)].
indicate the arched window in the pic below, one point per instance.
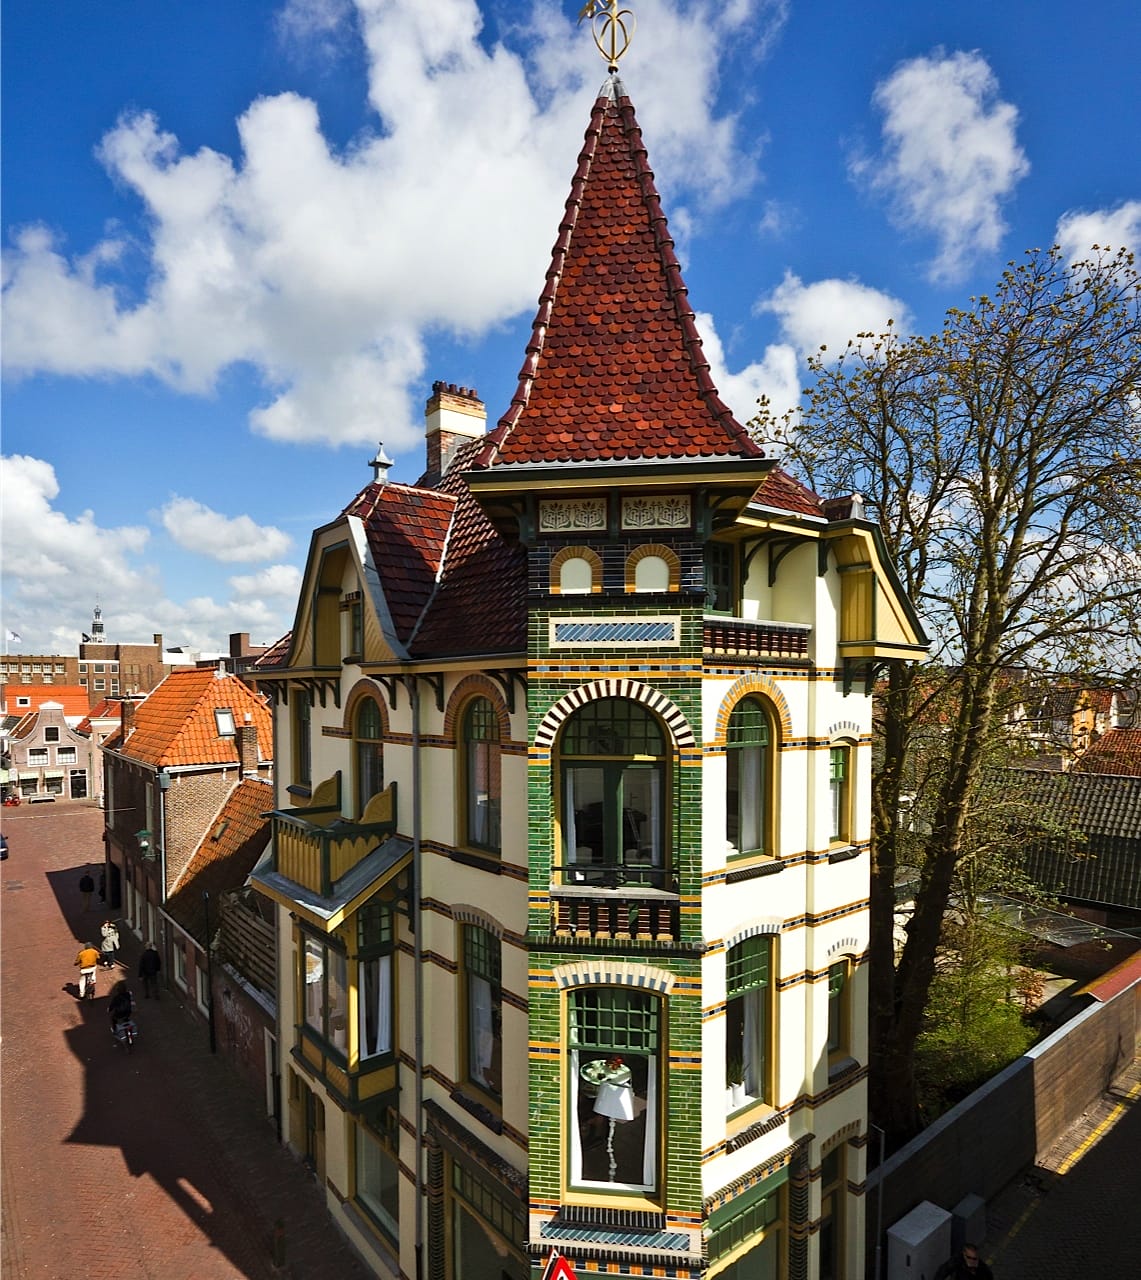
[(576, 576), (651, 573), (368, 740), (840, 790), (749, 742), (481, 776), (613, 760)]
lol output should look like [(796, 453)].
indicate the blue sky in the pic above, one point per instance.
[(242, 240)]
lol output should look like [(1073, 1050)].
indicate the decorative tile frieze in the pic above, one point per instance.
[(656, 511), (572, 515)]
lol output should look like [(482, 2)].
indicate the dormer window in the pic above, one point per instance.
[(224, 719)]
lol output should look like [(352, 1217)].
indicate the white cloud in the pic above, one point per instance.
[(56, 568), (950, 156), (227, 538), (278, 581), (1079, 230), (774, 375), (831, 312), (324, 270)]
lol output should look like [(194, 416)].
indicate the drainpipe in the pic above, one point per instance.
[(413, 688), (163, 787)]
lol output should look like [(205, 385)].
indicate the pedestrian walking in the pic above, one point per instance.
[(87, 888), (150, 962), (109, 947)]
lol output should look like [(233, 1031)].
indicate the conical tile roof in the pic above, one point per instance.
[(614, 368)]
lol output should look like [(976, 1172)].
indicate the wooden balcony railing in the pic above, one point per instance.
[(628, 912), (736, 638), (314, 847)]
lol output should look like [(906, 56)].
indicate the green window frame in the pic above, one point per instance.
[(483, 1010), (376, 984), (721, 595), (612, 755), (302, 737), (613, 1068), (377, 1170), (749, 748), (483, 785), (839, 995), (368, 749), (748, 1022), (840, 791)]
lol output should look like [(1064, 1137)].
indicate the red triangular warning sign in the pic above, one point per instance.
[(558, 1268)]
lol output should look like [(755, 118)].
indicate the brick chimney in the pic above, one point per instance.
[(127, 716), (452, 416), (247, 740)]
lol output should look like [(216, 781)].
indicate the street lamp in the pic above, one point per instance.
[(146, 848)]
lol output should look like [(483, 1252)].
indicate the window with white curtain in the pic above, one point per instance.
[(484, 1009), (748, 1015), (482, 775), (375, 985), (748, 788), (378, 1171)]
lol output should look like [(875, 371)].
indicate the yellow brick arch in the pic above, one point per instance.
[(765, 688), (576, 553), (673, 563)]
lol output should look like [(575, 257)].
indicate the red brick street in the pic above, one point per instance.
[(155, 1164)]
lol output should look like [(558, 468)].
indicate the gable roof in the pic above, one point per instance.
[(1092, 804), (225, 856), (614, 367), (175, 724), (1117, 751)]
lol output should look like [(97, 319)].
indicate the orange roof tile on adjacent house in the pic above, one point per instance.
[(74, 698), (225, 856), (176, 725), (1117, 751), (614, 368)]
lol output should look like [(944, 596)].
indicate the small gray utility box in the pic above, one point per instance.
[(919, 1243)]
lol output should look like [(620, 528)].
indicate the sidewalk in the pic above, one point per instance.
[(157, 1164), (1075, 1214)]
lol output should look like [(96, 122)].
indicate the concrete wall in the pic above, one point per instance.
[(991, 1137)]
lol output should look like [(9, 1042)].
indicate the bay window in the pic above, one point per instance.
[(375, 947), (326, 996)]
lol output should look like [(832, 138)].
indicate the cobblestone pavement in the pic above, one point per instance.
[(1075, 1216), (156, 1164)]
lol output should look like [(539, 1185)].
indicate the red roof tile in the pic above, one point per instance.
[(236, 839), (175, 724), (407, 529), (74, 698), (480, 605), (1117, 752), (782, 491), (614, 368)]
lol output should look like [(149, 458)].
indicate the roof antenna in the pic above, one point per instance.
[(612, 28)]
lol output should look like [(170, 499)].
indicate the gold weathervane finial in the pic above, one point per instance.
[(611, 27)]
